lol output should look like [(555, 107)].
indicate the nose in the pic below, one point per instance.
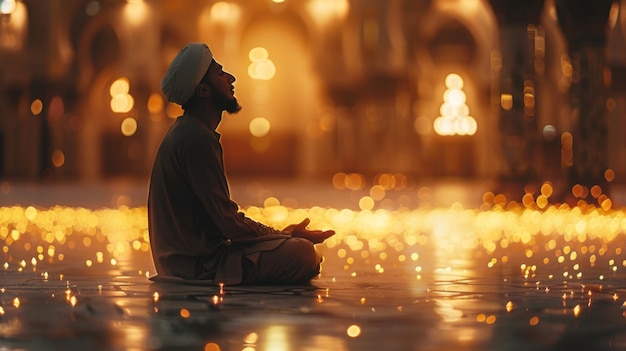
[(231, 78)]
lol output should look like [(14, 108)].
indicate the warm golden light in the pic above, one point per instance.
[(120, 86), (212, 347), (121, 101), (251, 338), (258, 54), (609, 175), (36, 107), (339, 180), (366, 203), (58, 158), (454, 118), (353, 331), (550, 246), (225, 12), (325, 11), (173, 110), (261, 67), (354, 181), (155, 103), (277, 338), (128, 126), (185, 313), (136, 11), (506, 101), (259, 127), (454, 81)]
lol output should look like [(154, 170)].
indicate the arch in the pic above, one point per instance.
[(289, 101), (454, 43), (456, 37), (98, 38)]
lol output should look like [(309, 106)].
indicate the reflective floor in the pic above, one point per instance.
[(437, 268)]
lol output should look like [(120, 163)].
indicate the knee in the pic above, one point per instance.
[(304, 252)]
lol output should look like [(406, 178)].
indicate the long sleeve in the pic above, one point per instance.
[(204, 167)]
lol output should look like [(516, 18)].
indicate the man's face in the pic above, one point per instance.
[(222, 89)]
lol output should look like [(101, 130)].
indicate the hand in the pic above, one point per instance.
[(315, 236)]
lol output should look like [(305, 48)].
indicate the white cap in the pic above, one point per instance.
[(186, 72)]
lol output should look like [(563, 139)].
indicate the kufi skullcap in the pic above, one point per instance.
[(186, 72)]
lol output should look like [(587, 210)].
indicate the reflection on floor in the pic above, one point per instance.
[(423, 278)]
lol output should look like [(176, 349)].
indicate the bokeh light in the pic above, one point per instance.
[(7, 6), (128, 126), (261, 67), (36, 107), (454, 118), (121, 100), (259, 127)]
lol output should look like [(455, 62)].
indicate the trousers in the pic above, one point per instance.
[(294, 261)]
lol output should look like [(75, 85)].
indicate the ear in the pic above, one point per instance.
[(203, 90)]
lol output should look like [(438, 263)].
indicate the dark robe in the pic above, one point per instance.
[(196, 230)]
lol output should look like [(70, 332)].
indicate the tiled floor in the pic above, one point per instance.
[(425, 280)]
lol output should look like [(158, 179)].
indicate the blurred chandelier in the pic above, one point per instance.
[(454, 118)]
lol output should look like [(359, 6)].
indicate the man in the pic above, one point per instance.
[(196, 230)]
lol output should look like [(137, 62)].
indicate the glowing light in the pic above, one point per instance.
[(155, 103), (366, 203), (212, 347), (353, 331), (36, 107), (120, 86), (185, 313), (173, 110), (454, 118), (58, 158), (506, 101), (261, 67), (7, 6), (454, 81), (225, 12), (259, 127), (549, 132), (609, 175), (121, 101), (128, 126), (325, 11), (258, 54), (251, 338), (354, 181), (136, 11), (377, 192)]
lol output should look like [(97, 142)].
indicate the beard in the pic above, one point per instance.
[(227, 103)]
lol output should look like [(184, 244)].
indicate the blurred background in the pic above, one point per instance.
[(351, 91)]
